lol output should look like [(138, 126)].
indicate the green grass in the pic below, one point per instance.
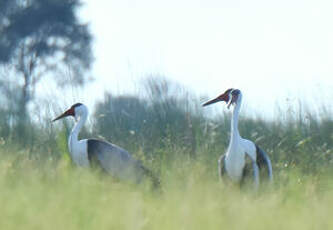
[(56, 195)]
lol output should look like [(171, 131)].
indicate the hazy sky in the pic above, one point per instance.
[(271, 50)]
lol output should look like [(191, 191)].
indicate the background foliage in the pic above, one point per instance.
[(41, 189), (159, 126)]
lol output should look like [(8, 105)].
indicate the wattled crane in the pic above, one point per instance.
[(233, 163), (109, 157)]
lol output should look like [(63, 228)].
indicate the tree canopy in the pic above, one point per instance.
[(41, 38), (42, 34)]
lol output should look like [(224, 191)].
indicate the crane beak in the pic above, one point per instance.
[(69, 112), (211, 101), (223, 97)]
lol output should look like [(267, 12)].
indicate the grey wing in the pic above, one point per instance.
[(250, 167), (221, 166), (263, 161), (115, 160), (255, 173)]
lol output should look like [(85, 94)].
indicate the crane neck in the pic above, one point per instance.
[(234, 121), (77, 127)]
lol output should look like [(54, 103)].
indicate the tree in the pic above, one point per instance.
[(40, 38)]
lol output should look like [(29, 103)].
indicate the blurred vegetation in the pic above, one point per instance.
[(164, 118), (168, 121)]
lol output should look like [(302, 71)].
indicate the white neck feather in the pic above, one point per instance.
[(73, 137), (234, 121)]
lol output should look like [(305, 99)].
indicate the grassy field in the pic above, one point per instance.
[(40, 189), (49, 196)]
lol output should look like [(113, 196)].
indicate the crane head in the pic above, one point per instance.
[(234, 97), (69, 112), (223, 97)]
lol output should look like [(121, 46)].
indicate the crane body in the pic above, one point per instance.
[(109, 157), (233, 163)]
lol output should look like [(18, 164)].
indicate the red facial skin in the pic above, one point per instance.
[(69, 112), (223, 97)]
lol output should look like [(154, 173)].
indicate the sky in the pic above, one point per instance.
[(276, 52)]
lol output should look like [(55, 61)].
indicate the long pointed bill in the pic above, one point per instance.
[(212, 101), (223, 97), (69, 112)]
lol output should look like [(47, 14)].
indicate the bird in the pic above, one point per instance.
[(107, 156), (234, 164)]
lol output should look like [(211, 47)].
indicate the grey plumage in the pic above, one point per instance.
[(260, 169), (264, 162), (109, 157), (117, 161), (242, 156), (252, 168), (221, 165)]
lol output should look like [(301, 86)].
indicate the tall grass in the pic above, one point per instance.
[(40, 189), (47, 197)]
